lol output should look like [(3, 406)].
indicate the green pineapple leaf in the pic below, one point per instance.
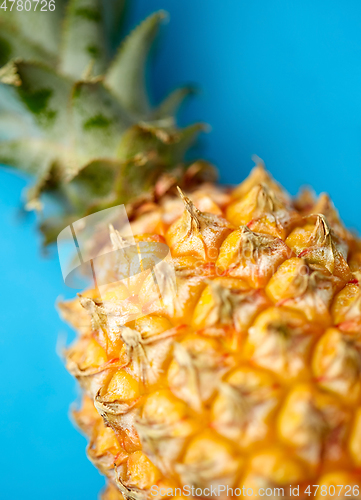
[(95, 185), (126, 75), (32, 156), (43, 92), (41, 29), (87, 131), (83, 43), (166, 145), (98, 121), (13, 45), (114, 12), (172, 103)]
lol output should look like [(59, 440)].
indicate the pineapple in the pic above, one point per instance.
[(250, 377)]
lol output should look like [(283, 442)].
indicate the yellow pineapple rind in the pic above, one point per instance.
[(252, 376)]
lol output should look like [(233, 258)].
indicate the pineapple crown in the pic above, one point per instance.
[(77, 117)]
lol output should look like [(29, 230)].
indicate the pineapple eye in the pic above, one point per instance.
[(197, 234)]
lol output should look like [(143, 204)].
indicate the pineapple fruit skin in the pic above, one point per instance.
[(251, 376)]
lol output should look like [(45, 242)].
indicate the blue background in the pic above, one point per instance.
[(279, 78)]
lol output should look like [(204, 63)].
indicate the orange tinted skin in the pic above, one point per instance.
[(264, 212), (259, 379), (251, 256), (346, 313)]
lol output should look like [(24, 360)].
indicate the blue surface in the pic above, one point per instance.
[(281, 79)]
